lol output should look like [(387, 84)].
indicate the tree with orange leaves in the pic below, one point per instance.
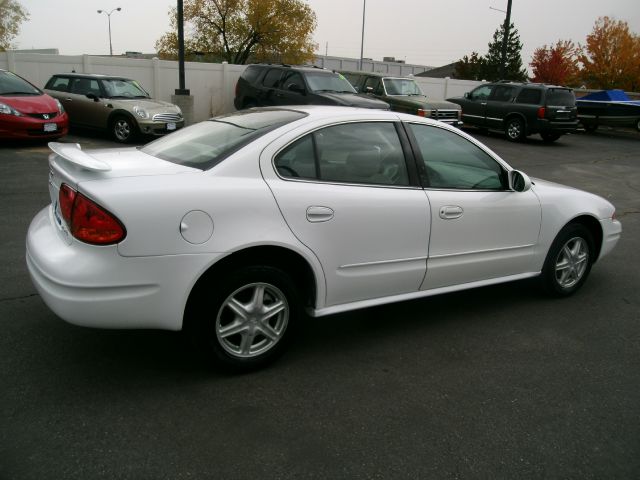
[(556, 64), (239, 31), (611, 57)]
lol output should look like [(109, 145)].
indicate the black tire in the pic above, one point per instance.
[(590, 127), (568, 261), (236, 338), (249, 104), (550, 137), (123, 129), (514, 129), (638, 125)]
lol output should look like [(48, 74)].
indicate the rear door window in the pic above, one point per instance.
[(503, 93), (272, 78), (363, 153)]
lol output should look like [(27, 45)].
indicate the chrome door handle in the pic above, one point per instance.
[(450, 212), (319, 214)]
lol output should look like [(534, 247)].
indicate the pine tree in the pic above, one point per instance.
[(493, 59), (470, 67)]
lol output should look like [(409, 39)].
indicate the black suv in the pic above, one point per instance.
[(521, 109), (264, 85)]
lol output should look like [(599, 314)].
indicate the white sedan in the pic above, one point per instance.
[(233, 227)]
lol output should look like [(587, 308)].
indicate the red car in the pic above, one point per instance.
[(28, 112)]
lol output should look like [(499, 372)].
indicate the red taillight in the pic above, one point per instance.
[(66, 197), (88, 221), (541, 112), (421, 112)]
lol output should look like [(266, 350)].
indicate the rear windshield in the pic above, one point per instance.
[(206, 144), (561, 97)]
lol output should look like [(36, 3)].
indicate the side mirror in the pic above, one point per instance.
[(368, 89), (467, 95), (292, 87), (519, 181), (92, 96)]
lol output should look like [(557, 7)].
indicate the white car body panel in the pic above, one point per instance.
[(494, 236), (377, 245)]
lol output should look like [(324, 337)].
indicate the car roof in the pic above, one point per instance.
[(304, 68), (98, 76), (528, 84), (373, 74), (314, 112)]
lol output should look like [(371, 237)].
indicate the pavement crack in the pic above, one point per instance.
[(22, 297), (626, 212)]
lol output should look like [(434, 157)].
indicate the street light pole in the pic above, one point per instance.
[(108, 14), (364, 8)]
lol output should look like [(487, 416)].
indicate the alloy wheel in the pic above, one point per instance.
[(571, 262), (252, 320)]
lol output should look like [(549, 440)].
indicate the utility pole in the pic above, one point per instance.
[(505, 42), (181, 89), (182, 96), (364, 8)]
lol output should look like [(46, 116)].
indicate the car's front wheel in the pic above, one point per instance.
[(569, 260), (514, 129), (123, 129), (244, 321)]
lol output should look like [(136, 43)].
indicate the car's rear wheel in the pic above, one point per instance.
[(244, 321), (590, 127), (550, 137), (638, 125), (569, 260), (123, 129), (514, 129)]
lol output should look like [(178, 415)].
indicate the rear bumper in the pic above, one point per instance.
[(547, 126), (96, 287)]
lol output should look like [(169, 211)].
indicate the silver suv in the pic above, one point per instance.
[(119, 105)]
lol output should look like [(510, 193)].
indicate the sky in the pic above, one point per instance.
[(422, 32)]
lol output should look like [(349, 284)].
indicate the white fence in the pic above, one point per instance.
[(212, 84), (441, 88)]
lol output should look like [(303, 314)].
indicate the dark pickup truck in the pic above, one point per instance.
[(404, 95)]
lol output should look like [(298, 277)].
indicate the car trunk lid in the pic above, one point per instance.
[(560, 105), (71, 165)]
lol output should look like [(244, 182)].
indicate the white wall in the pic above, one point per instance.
[(441, 88), (212, 84)]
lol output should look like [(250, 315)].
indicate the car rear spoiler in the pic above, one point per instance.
[(71, 152)]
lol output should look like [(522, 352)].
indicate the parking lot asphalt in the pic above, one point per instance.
[(498, 382)]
